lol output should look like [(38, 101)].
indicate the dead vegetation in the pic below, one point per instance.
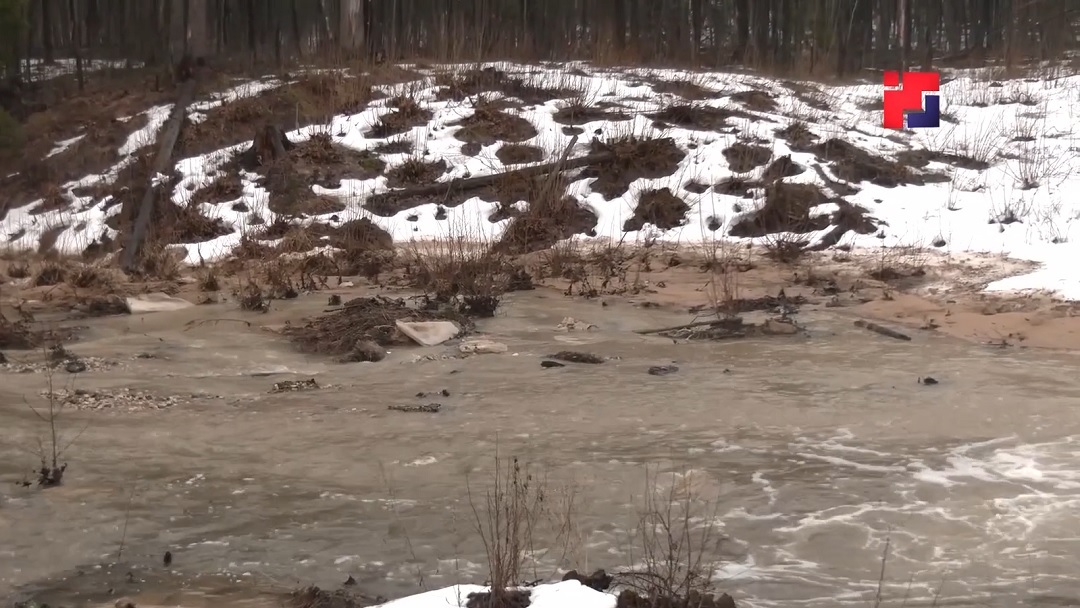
[(633, 158), (466, 84), (303, 100), (348, 332), (406, 114), (414, 171), (551, 216), (579, 111), (698, 117)]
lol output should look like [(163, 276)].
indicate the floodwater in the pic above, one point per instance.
[(803, 457)]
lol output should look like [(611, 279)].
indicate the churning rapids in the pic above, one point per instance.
[(815, 451)]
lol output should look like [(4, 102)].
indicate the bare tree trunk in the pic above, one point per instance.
[(47, 32)]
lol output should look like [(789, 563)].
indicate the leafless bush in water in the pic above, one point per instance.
[(675, 544)]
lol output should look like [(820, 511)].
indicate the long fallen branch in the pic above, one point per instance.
[(170, 134), (465, 184), (714, 322), (881, 329)]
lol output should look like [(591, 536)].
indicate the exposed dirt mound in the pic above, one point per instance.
[(488, 125), (317, 161), (634, 159), (363, 320), (787, 209), (697, 117), (471, 148), (759, 101), (415, 171), (550, 217), (853, 164), (186, 224), (461, 86), (922, 158), (695, 187), (744, 158), (798, 136), (579, 113), (519, 154), (660, 208), (360, 234), (406, 115), (736, 186), (781, 168), (225, 188)]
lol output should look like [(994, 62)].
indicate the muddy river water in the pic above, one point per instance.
[(813, 452)]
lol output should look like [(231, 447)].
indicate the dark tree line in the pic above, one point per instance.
[(817, 37)]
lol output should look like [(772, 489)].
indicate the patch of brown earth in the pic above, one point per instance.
[(226, 187), (633, 159), (853, 164), (415, 171), (519, 154), (696, 117), (407, 114), (660, 208), (780, 168), (744, 158), (787, 209), (317, 161), (921, 158), (695, 187), (759, 101), (578, 113), (488, 125), (471, 148), (472, 83), (312, 99), (736, 186), (360, 234), (798, 136)]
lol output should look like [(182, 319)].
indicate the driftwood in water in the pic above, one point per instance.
[(880, 329)]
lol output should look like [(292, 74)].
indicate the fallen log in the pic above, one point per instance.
[(171, 134), (383, 203), (880, 329)]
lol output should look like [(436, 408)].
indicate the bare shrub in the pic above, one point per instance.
[(510, 517), (54, 442), (465, 273), (674, 546)]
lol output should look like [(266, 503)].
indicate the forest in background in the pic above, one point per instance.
[(814, 38)]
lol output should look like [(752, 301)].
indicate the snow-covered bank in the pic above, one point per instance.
[(1002, 164)]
